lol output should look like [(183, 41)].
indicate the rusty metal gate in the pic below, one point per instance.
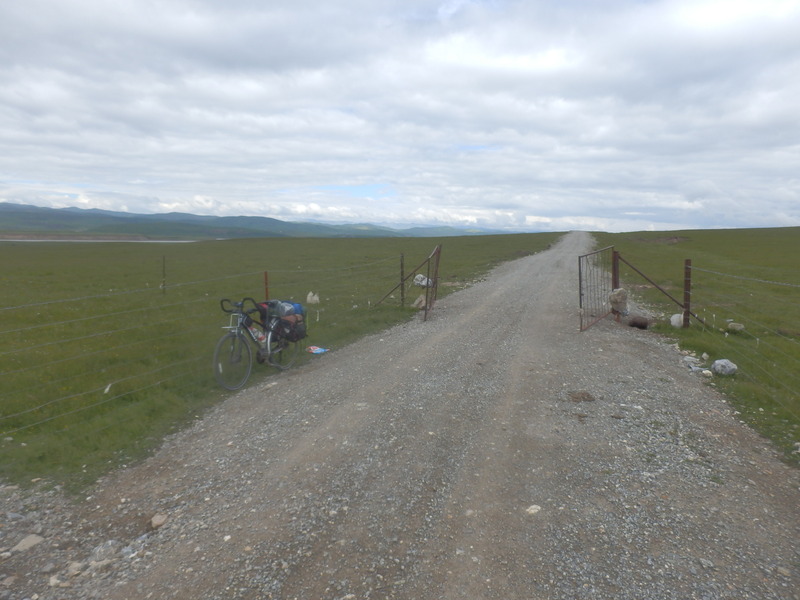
[(429, 281), (595, 284)]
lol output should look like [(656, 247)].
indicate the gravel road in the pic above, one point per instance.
[(490, 452)]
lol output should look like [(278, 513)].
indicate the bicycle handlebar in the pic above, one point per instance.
[(238, 306), (251, 301)]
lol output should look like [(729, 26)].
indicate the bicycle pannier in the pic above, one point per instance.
[(292, 316), (294, 327), (277, 308)]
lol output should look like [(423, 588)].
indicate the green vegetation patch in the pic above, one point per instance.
[(744, 277), (106, 347)]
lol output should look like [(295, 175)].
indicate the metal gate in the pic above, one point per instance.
[(429, 281), (595, 284)]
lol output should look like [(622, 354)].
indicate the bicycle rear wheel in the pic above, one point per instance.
[(282, 352), (233, 360)]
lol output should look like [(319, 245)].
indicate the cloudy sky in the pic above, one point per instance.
[(523, 115)]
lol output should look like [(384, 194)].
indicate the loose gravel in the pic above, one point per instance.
[(491, 452)]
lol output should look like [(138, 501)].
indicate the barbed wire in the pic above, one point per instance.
[(46, 383), (741, 317), (96, 390), (90, 359), (78, 299), (757, 354), (90, 336), (759, 358), (741, 277), (94, 317), (743, 359), (190, 283), (337, 270), (126, 324), (126, 344), (705, 297)]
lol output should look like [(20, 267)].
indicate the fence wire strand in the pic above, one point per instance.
[(764, 348), (742, 278), (51, 345), (105, 400)]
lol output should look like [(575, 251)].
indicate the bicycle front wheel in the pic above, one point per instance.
[(233, 360), (282, 352)]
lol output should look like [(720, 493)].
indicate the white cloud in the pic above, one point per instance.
[(512, 114), (710, 16)]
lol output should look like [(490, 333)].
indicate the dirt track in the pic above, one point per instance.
[(492, 452)]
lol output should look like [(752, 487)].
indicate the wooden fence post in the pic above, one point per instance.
[(266, 285)]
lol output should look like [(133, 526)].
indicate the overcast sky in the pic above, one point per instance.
[(523, 115)]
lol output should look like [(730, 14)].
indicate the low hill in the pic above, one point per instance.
[(18, 221)]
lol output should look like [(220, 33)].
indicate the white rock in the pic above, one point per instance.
[(158, 520), (28, 542), (724, 367), (619, 300), (422, 281)]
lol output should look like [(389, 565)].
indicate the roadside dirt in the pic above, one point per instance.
[(491, 452)]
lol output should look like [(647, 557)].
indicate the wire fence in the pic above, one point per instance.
[(131, 362), (752, 321), (757, 323)]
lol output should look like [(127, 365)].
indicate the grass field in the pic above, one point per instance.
[(105, 348), (750, 277)]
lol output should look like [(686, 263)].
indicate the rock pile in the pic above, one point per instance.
[(722, 366)]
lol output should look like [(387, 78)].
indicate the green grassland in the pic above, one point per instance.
[(751, 277), (105, 348)]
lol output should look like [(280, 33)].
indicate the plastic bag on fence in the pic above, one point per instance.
[(422, 281)]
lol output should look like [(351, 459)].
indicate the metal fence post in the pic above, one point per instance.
[(402, 281), (687, 291)]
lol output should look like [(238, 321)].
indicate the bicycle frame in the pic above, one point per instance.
[(239, 317), (233, 360), (237, 321)]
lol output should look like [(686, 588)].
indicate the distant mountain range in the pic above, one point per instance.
[(20, 221)]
